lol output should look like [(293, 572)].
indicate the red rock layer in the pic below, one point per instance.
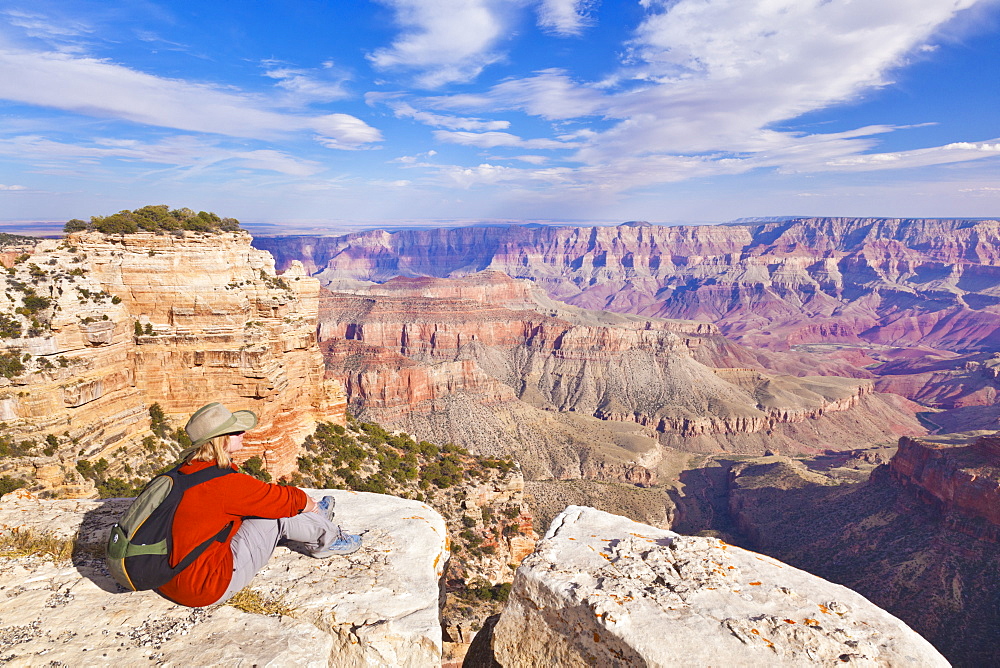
[(960, 476), (399, 349), (817, 285)]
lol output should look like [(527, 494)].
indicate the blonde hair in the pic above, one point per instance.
[(213, 450)]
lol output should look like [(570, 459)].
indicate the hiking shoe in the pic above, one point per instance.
[(325, 507), (344, 543)]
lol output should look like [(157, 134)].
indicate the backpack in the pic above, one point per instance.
[(140, 543)]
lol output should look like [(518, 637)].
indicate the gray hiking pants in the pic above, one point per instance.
[(257, 537)]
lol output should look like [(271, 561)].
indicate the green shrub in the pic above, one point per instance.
[(158, 421), (9, 484), (11, 364), (10, 327), (155, 218), (115, 488), (255, 467), (33, 303)]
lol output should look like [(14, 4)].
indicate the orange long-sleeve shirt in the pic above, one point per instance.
[(203, 512)]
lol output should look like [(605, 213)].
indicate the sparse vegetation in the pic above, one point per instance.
[(10, 483), (251, 600), (155, 218), (255, 467), (11, 364), (19, 543)]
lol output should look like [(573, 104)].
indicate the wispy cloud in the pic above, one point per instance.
[(444, 41), (43, 27), (705, 81), (494, 139), (566, 18), (185, 152), (100, 88), (937, 155), (403, 110), (305, 86), (12, 187)]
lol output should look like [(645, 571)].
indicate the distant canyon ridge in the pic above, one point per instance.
[(911, 304)]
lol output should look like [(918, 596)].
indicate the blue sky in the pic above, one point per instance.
[(320, 114)]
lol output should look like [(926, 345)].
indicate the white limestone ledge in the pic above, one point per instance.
[(376, 607), (602, 590)]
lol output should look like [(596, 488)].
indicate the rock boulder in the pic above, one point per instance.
[(603, 590)]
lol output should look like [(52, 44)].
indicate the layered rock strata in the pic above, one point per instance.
[(776, 283), (831, 296), (603, 590), (377, 607), (178, 320), (408, 359), (959, 474)]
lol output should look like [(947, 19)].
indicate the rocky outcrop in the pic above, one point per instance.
[(178, 320), (915, 537), (960, 473), (603, 590), (376, 607)]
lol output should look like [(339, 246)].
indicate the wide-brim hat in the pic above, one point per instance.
[(214, 419)]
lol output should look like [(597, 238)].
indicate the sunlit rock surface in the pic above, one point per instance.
[(377, 607), (603, 590)]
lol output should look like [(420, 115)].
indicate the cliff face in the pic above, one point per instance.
[(831, 294), (526, 380), (215, 324), (919, 538), (959, 476)]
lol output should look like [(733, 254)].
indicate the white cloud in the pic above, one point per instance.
[(565, 18), (99, 88), (550, 93), (184, 152), (494, 139), (403, 110), (12, 187), (938, 155), (305, 86), (706, 81), (531, 159), (445, 40)]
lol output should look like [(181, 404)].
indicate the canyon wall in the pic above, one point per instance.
[(878, 280), (177, 320), (958, 474), (831, 296), (547, 382), (919, 537)]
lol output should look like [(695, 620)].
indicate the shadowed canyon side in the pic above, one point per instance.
[(846, 295), (919, 538), (178, 320), (575, 393)]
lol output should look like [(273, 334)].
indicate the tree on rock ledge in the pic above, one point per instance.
[(155, 218)]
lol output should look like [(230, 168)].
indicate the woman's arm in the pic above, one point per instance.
[(310, 505)]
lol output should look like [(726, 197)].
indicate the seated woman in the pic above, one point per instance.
[(260, 514)]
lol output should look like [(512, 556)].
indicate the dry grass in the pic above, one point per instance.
[(24, 543), (251, 600)]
